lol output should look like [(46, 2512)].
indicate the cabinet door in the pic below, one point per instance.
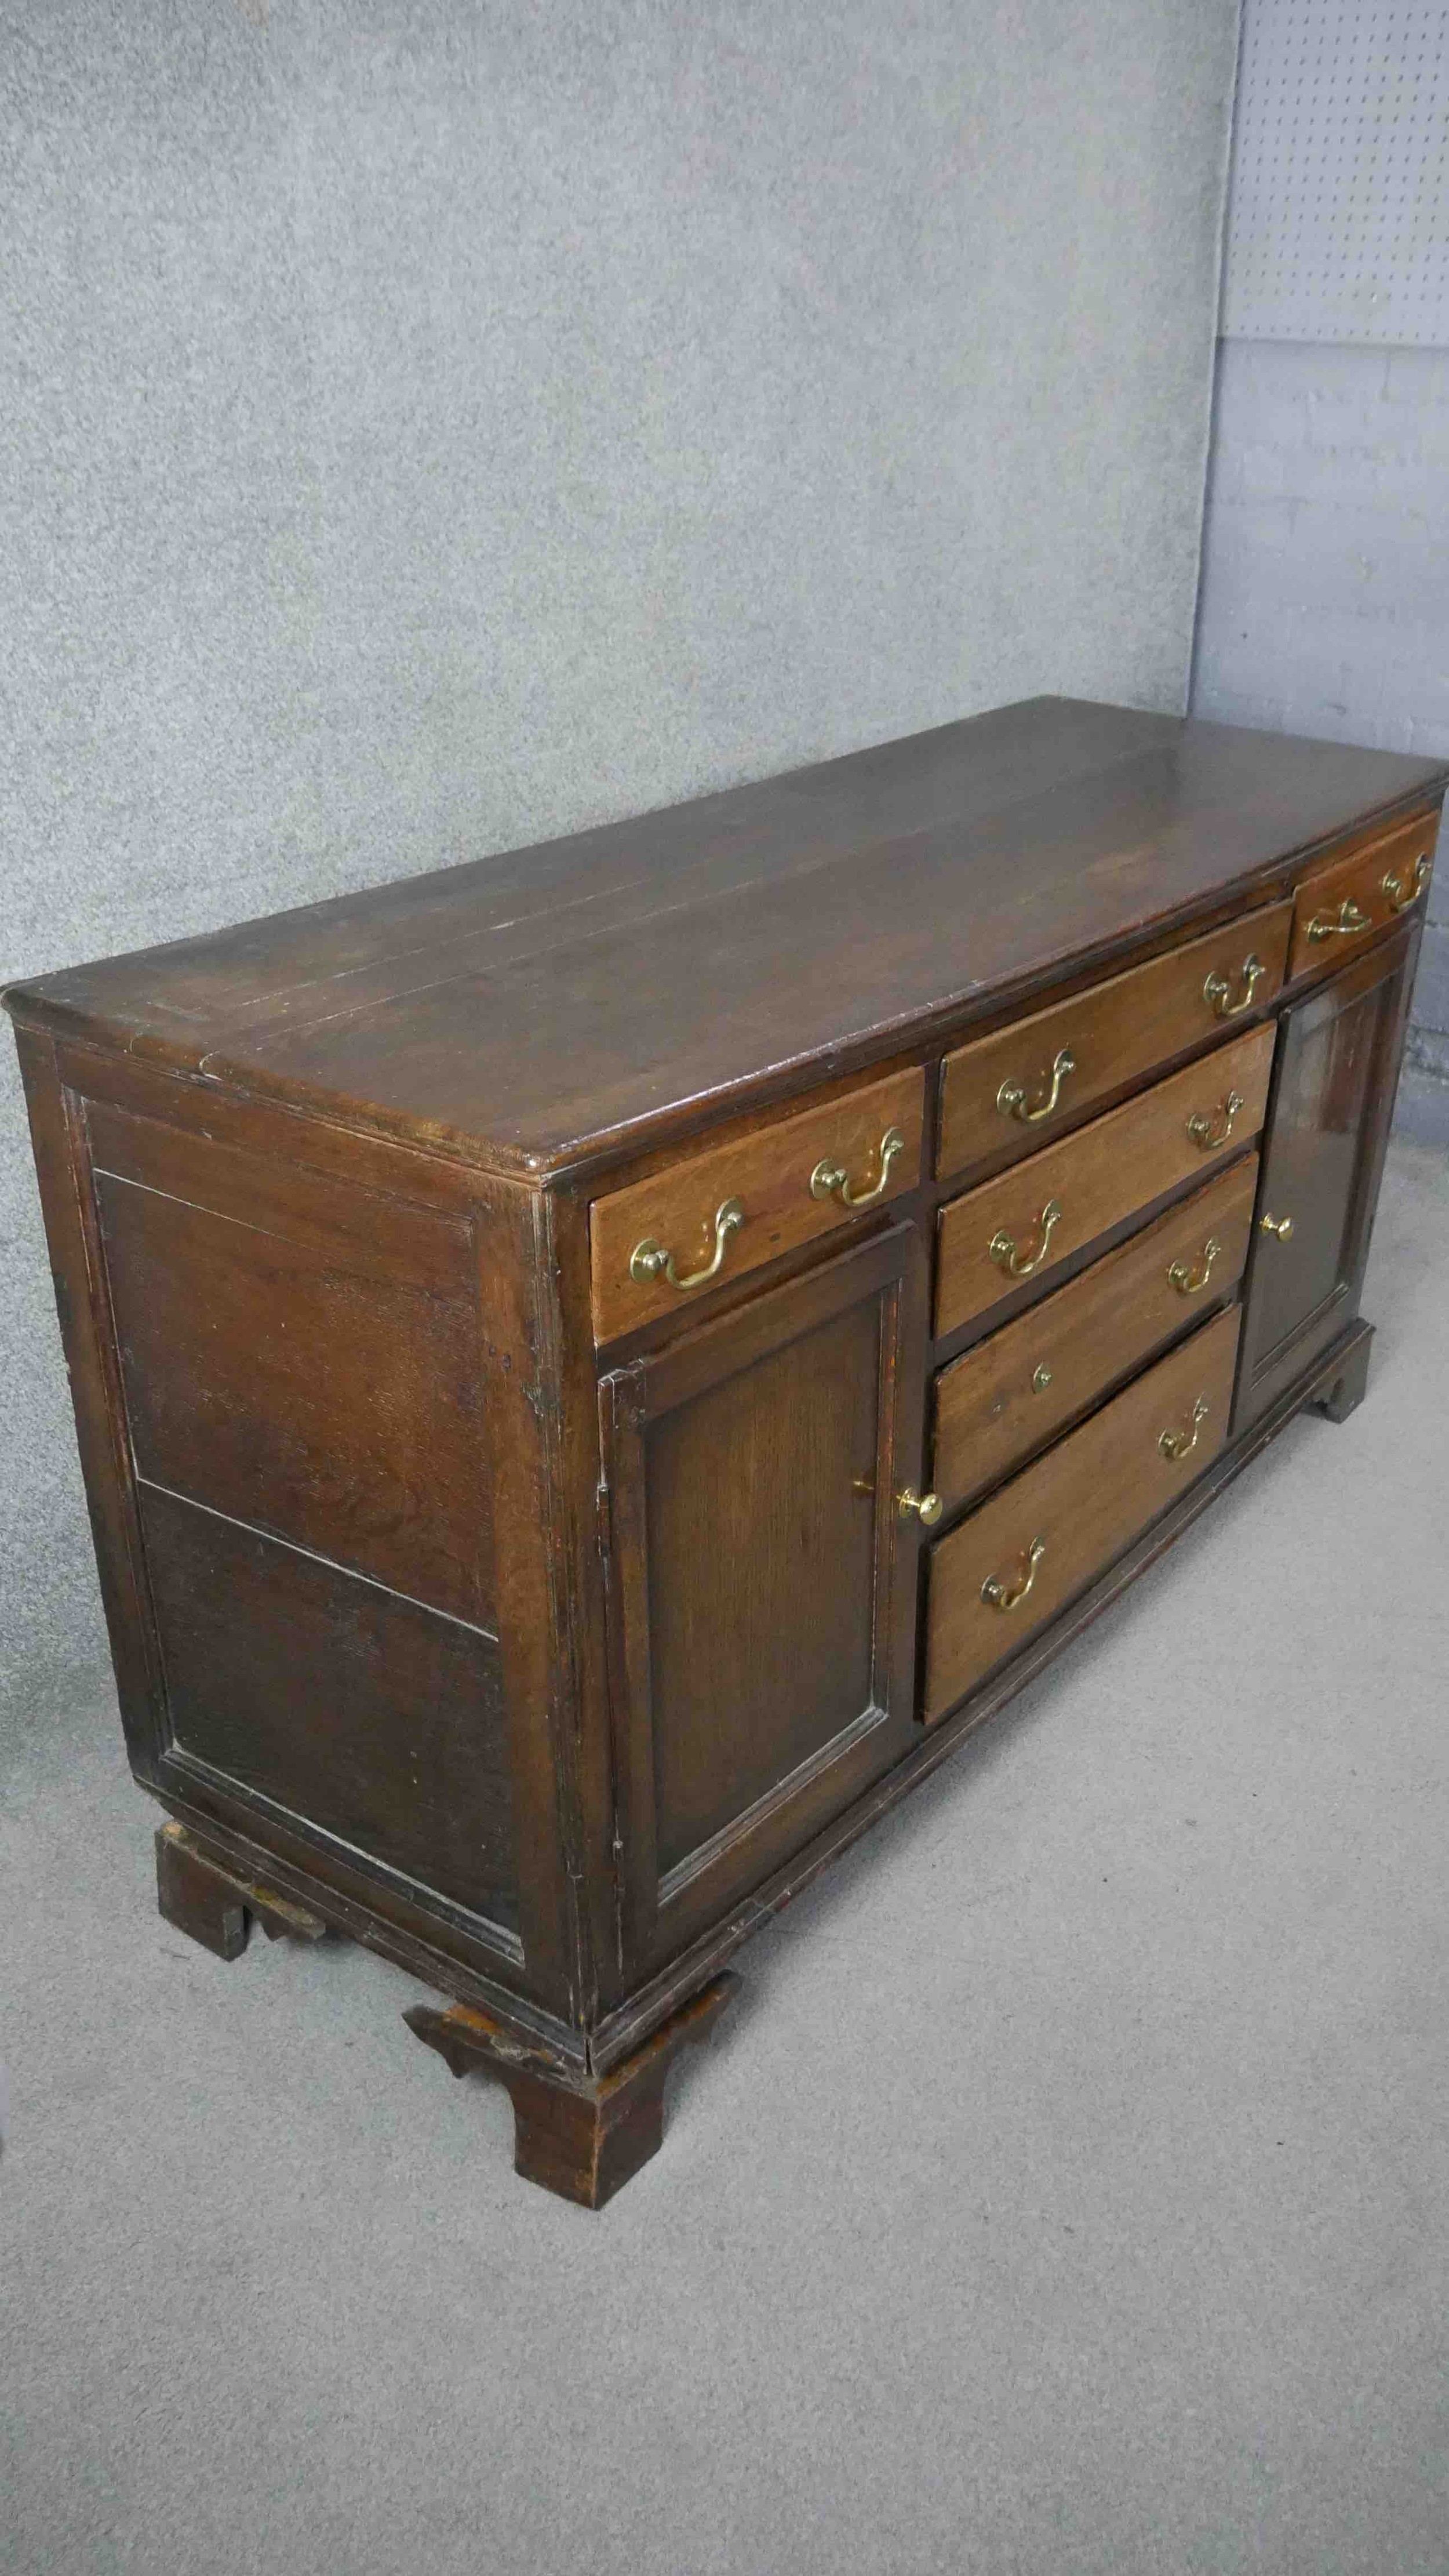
[(762, 1580), (1328, 1123)]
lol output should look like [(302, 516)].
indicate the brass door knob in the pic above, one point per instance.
[(927, 1507), (1282, 1226)]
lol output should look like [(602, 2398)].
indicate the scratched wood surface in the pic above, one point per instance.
[(610, 988)]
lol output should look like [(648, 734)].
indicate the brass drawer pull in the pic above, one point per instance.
[(1348, 919), (1003, 1251), (1011, 1098), (649, 1260), (927, 1507), (1401, 898), (832, 1181), (1204, 1135), (1216, 990), (1282, 1226), (1188, 1281), (1181, 1444), (995, 1592)]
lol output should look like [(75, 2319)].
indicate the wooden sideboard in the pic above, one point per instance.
[(596, 1369)]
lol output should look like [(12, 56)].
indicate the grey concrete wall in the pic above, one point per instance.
[(430, 425), (1325, 589)]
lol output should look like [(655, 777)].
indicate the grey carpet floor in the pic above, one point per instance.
[(1065, 2194)]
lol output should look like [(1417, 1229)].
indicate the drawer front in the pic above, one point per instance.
[(1003, 1400), (1029, 1550), (1026, 1221), (1341, 906), (1000, 1095), (661, 1245)]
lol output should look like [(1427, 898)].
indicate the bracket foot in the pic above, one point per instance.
[(1346, 1392), (204, 1895), (581, 2136)]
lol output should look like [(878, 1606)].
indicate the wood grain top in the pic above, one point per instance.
[(613, 989)]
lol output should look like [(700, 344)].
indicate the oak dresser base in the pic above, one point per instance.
[(596, 1369)]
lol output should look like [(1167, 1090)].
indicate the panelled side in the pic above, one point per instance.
[(296, 1387)]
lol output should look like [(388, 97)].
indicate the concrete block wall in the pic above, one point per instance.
[(1324, 603), (429, 428)]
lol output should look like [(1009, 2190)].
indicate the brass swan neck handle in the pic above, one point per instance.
[(832, 1181), (1012, 1101), (1342, 924), (1007, 1596), (1217, 991), (1181, 1444), (1002, 1248), (649, 1260), (1404, 897), (1188, 1279), (1205, 1135)]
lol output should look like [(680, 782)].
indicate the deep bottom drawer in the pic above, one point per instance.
[(1019, 1559)]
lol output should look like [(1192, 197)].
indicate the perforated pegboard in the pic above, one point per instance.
[(1338, 225)]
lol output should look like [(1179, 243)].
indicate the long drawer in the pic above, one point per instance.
[(661, 1244), (1029, 1550), (1025, 1222), (1007, 1397), (1000, 1094), (1340, 906)]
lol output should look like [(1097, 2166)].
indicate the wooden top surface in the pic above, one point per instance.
[(608, 989)]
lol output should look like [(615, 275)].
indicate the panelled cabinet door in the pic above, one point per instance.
[(763, 1577), (1328, 1123)]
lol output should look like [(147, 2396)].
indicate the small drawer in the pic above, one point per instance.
[(1342, 905), (1000, 1095), (1029, 1550), (1027, 1220), (660, 1245), (1006, 1398)]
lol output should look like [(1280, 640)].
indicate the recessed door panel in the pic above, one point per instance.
[(763, 1577), (1328, 1122)]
